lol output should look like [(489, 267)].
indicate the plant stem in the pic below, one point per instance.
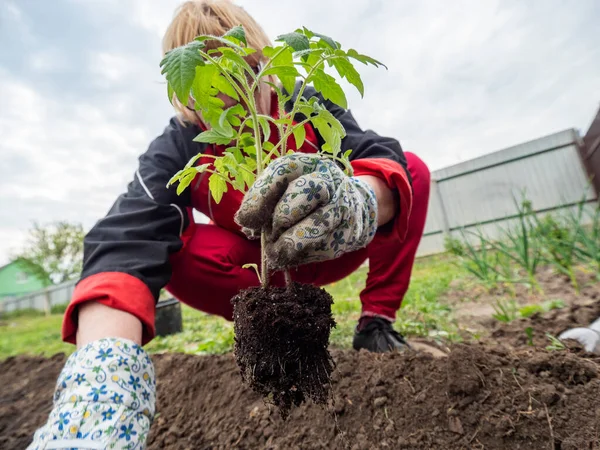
[(272, 152), (264, 269), (288, 278)]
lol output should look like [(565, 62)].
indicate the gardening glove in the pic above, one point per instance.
[(588, 337), (104, 399), (310, 210)]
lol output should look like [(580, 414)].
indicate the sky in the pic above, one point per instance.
[(81, 95)]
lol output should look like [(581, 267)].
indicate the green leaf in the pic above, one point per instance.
[(284, 121), (202, 168), (299, 136), (238, 110), (202, 86), (170, 92), (289, 84), (287, 78), (213, 137), (247, 140), (224, 127), (229, 54), (266, 128), (295, 40), (309, 51), (346, 70), (221, 83), (347, 154), (269, 51), (335, 124), (237, 154), (217, 186), (326, 39), (193, 160), (238, 33), (306, 32), (238, 182), (176, 177), (185, 181), (364, 58), (282, 71), (179, 67), (328, 87), (251, 163)]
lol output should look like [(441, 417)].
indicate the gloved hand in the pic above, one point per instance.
[(104, 399), (310, 210)]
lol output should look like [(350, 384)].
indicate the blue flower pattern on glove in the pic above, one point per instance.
[(105, 397)]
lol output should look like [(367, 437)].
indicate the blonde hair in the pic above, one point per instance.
[(198, 17)]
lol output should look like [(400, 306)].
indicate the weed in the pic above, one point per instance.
[(518, 244), (529, 333), (476, 259), (588, 238), (559, 242), (530, 310), (505, 310), (555, 343)]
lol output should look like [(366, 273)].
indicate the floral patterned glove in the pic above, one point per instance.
[(104, 399), (310, 210)]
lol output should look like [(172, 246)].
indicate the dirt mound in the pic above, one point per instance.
[(477, 397)]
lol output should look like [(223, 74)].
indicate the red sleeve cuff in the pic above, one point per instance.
[(395, 177), (119, 291)]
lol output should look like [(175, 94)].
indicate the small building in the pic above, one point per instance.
[(15, 280)]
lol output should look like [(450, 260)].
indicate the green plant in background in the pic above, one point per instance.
[(530, 310), (199, 75), (529, 333), (559, 242), (587, 236), (519, 245), (476, 259), (505, 310)]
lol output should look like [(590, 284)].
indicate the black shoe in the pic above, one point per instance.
[(377, 335)]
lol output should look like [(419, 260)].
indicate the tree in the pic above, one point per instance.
[(54, 252)]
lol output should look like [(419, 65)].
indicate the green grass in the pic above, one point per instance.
[(32, 335), (421, 314)]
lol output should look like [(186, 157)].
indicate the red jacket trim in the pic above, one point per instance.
[(395, 177), (119, 291)]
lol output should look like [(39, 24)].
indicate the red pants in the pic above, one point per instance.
[(207, 271)]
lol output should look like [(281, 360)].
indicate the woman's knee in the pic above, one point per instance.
[(419, 171)]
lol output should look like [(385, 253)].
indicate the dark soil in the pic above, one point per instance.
[(477, 397), (281, 343), (502, 394)]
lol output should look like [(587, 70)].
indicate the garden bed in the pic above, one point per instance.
[(498, 393)]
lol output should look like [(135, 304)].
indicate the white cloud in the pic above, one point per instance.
[(111, 67), (48, 61), (73, 160)]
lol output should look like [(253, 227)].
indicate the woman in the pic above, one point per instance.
[(105, 394)]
